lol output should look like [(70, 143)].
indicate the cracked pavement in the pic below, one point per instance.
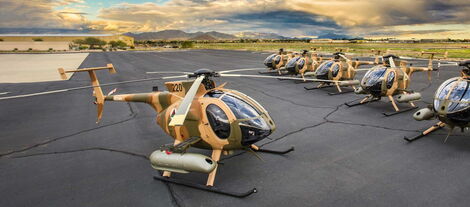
[(53, 154)]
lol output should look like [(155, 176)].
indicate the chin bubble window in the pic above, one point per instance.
[(218, 121)]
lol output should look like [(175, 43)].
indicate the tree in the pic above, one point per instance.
[(187, 44), (117, 44), (79, 42), (92, 41)]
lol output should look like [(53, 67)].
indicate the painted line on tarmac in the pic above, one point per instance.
[(4, 93)]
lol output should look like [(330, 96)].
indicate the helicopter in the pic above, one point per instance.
[(389, 80), (303, 64), (276, 62), (339, 71), (195, 113), (451, 105)]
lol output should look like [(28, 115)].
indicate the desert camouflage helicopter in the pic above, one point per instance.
[(389, 80), (451, 104), (276, 62), (303, 64), (339, 71), (195, 113)]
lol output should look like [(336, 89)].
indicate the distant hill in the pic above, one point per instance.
[(204, 37), (259, 35), (180, 35), (335, 36)]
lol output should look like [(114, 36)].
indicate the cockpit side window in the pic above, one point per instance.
[(292, 62)]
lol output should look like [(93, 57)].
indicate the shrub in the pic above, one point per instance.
[(187, 44), (37, 39)]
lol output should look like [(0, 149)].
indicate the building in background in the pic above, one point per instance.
[(53, 41)]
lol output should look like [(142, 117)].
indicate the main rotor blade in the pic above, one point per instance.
[(85, 87), (347, 59), (277, 77), (392, 63), (183, 108), (168, 72), (237, 70)]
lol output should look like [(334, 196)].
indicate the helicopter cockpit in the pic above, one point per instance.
[(323, 70), (250, 119), (295, 64), (373, 79), (452, 98), (272, 60)]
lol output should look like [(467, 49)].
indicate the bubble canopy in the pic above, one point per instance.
[(253, 126), (453, 96)]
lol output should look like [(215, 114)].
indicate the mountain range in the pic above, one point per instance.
[(181, 35)]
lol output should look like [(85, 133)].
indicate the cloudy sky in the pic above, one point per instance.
[(367, 18)]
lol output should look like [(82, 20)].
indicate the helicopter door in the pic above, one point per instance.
[(216, 129), (335, 73)]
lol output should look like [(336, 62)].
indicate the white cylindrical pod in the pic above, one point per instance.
[(423, 114), (408, 97), (182, 162)]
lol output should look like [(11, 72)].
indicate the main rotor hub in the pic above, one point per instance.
[(466, 64), (207, 73), (204, 71)]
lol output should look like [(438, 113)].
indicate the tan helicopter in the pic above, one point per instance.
[(276, 62), (388, 80), (451, 105), (339, 71), (195, 113)]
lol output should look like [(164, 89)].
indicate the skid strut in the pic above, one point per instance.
[(422, 134), (204, 187)]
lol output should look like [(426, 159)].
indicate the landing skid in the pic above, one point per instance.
[(339, 93), (279, 152), (314, 88), (268, 72), (399, 112), (204, 187), (350, 104)]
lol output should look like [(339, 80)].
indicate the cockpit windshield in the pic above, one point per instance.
[(324, 68), (459, 97), (374, 75), (292, 62), (269, 60)]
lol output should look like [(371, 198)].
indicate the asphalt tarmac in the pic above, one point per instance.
[(52, 153)]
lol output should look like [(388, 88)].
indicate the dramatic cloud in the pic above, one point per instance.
[(401, 18)]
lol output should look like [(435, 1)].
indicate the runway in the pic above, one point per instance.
[(52, 153)]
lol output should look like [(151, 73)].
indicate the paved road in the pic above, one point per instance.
[(53, 153)]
